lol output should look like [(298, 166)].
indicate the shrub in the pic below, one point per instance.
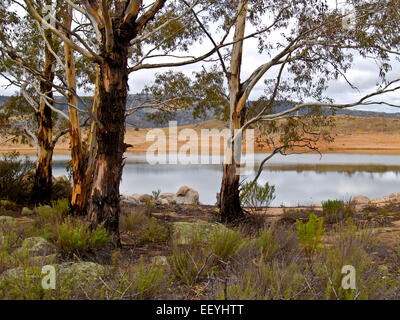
[(61, 206), (138, 282), (226, 243), (16, 177), (253, 195), (62, 189), (266, 243), (187, 265), (133, 220), (155, 232), (74, 236), (156, 194), (8, 205), (310, 233), (336, 210)]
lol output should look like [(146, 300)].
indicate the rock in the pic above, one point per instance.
[(361, 200), (6, 222), (182, 191), (62, 178), (164, 202), (26, 211), (159, 260), (135, 196), (43, 260), (183, 232), (129, 201), (145, 197), (82, 273), (186, 195), (169, 196), (36, 246)]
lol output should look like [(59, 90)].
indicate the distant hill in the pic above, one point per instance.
[(185, 117)]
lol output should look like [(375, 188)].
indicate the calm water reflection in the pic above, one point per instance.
[(298, 179)]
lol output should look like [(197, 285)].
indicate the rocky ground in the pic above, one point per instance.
[(155, 228)]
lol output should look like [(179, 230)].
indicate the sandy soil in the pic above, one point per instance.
[(352, 135)]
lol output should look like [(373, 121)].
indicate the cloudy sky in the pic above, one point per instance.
[(364, 75)]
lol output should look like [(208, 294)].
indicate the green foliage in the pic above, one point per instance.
[(267, 244), (226, 243), (16, 177), (8, 205), (156, 194), (62, 189), (74, 236), (61, 206), (133, 220), (140, 282), (184, 266), (155, 232), (336, 210), (253, 195), (310, 234)]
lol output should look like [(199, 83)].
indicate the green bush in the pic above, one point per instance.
[(16, 177), (8, 205), (253, 195), (226, 243), (133, 220), (310, 234), (155, 232), (62, 189), (156, 194), (61, 206), (74, 236), (267, 244), (336, 210)]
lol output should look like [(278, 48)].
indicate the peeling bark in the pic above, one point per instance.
[(42, 188), (81, 186), (104, 204)]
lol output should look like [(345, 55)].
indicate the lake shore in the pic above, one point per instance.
[(352, 135)]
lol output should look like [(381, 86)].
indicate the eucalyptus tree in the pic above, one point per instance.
[(303, 46), (127, 36), (314, 47), (19, 38)]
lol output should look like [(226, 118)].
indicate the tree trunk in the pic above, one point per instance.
[(230, 208), (42, 188), (104, 206), (81, 186)]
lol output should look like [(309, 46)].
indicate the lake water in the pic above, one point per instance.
[(298, 179)]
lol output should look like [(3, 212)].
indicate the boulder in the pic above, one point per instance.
[(129, 201), (6, 222), (361, 200), (62, 178), (145, 197), (186, 195), (26, 211), (36, 246), (184, 232), (83, 274), (169, 196)]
